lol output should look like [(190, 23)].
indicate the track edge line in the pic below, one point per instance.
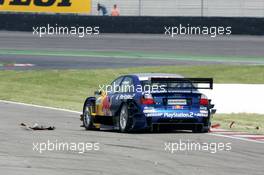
[(39, 106)]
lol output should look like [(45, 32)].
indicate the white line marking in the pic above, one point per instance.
[(23, 65), (38, 106), (250, 136), (17, 65), (76, 112), (237, 138), (218, 130)]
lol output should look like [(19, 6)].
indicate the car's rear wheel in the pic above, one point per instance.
[(206, 129), (124, 119), (200, 129), (87, 116)]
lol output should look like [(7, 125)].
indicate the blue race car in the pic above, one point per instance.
[(150, 102)]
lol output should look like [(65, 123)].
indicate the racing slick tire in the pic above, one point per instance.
[(125, 121), (200, 129), (87, 117)]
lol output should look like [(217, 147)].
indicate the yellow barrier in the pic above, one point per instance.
[(46, 6)]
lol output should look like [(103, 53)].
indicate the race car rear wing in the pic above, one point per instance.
[(185, 83)]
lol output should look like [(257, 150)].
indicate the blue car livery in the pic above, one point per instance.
[(149, 101)]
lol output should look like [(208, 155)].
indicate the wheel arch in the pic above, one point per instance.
[(128, 102), (88, 99)]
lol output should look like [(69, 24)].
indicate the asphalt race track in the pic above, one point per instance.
[(118, 154), (25, 48), (140, 153)]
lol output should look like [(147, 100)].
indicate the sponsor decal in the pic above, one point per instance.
[(155, 114), (178, 115), (106, 106), (201, 114), (177, 107), (177, 102), (175, 114), (48, 6), (203, 108), (204, 111), (125, 97), (149, 111)]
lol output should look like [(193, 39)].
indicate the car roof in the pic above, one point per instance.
[(147, 76)]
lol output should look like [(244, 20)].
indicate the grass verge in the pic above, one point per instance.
[(69, 88), (250, 123)]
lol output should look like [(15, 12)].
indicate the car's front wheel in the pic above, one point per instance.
[(87, 116), (124, 119)]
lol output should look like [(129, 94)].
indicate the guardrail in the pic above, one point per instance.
[(128, 24)]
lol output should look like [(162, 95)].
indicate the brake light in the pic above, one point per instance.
[(147, 99), (204, 101)]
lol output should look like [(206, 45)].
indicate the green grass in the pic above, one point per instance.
[(250, 123), (68, 88), (134, 55)]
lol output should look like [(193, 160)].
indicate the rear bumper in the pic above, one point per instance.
[(176, 126), (186, 123), (143, 122)]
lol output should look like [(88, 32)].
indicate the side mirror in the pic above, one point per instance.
[(97, 92)]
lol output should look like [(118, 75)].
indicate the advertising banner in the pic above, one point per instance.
[(46, 6)]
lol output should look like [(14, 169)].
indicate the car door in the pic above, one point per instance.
[(112, 94), (126, 91)]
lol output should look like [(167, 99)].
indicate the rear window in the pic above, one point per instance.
[(164, 87)]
